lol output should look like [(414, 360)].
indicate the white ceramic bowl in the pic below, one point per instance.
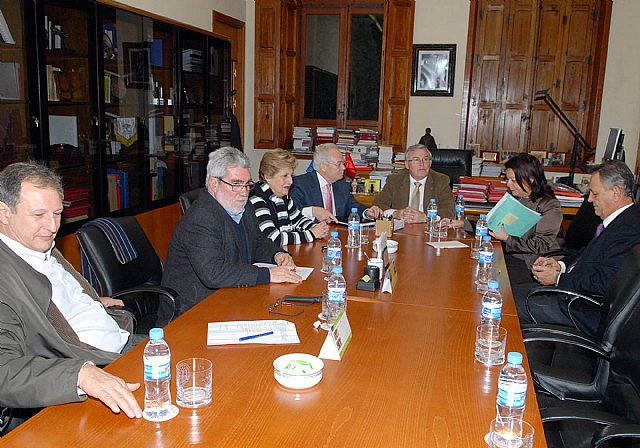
[(298, 370), (392, 246)]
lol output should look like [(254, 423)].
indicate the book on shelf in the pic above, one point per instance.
[(5, 34), (118, 189), (516, 217), (11, 81)]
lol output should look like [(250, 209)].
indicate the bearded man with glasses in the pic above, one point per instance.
[(217, 240), (407, 194)]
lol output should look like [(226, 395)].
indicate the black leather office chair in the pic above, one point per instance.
[(613, 412), (137, 283), (186, 199), (567, 363), (452, 162)]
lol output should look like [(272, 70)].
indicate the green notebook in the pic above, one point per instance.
[(517, 218)]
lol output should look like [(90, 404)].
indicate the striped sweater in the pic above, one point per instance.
[(278, 219)]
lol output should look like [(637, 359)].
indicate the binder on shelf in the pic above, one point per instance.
[(517, 218)]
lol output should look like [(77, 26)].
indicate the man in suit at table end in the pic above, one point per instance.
[(322, 194), (590, 271), (217, 240), (407, 194)]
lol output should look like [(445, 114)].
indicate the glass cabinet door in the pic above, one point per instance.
[(71, 122), (15, 121), (194, 121), (127, 95), (164, 163), (219, 127)]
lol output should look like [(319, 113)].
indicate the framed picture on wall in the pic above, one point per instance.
[(137, 57), (433, 71)]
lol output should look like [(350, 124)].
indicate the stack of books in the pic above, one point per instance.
[(385, 157), (225, 134), (568, 196), (192, 60), (473, 189), (476, 166), (325, 135), (76, 204), (497, 189), (366, 149), (491, 169), (118, 189), (302, 140), (346, 140)]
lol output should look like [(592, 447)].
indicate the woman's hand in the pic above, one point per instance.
[(320, 230), (502, 235)]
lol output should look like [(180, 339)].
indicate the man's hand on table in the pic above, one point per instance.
[(111, 390)]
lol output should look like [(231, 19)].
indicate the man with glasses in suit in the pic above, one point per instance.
[(407, 194), (217, 240)]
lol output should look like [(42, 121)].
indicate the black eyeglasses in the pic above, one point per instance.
[(237, 187)]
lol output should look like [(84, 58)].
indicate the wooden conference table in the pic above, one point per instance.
[(408, 378)]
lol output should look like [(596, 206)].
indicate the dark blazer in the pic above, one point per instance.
[(37, 367), (204, 253), (305, 192), (598, 262), (395, 193)]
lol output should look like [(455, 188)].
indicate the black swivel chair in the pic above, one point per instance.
[(452, 162), (137, 283), (186, 199), (564, 361)]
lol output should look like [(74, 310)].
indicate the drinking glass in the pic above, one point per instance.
[(193, 382), (510, 432), (491, 341)]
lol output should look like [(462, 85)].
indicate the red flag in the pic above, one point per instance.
[(350, 168)]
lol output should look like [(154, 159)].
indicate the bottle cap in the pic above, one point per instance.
[(493, 284), (514, 358), (334, 234), (483, 216), (432, 200), (156, 333), (337, 270), (486, 238), (354, 209), (460, 197)]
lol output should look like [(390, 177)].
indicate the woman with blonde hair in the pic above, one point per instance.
[(278, 218)]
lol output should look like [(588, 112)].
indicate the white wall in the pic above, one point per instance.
[(192, 12)]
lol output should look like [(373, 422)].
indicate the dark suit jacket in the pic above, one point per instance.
[(204, 253), (37, 367), (305, 192), (395, 193), (600, 259)]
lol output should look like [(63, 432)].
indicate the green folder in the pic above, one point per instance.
[(517, 218)]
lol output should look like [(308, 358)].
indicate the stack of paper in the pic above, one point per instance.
[(302, 140), (568, 196)]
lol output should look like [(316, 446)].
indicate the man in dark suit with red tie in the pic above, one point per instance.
[(590, 271), (322, 194)]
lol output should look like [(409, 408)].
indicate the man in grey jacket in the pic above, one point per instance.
[(45, 358)]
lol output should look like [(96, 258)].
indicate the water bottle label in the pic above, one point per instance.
[(492, 310), (459, 208), (512, 394), (432, 214), (157, 368), (354, 225), (482, 231), (336, 294), (485, 257), (334, 253)]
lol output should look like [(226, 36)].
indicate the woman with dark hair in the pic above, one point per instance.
[(278, 218), (526, 182)]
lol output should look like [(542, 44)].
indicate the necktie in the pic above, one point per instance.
[(599, 230), (329, 201), (415, 198)]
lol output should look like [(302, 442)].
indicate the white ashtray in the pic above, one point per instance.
[(298, 370), (392, 246)]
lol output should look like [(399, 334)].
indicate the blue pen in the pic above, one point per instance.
[(253, 336)]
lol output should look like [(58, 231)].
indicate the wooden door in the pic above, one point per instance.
[(522, 47)]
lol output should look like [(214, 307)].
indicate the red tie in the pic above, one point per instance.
[(329, 201)]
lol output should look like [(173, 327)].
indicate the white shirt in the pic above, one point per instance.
[(86, 316), (308, 211)]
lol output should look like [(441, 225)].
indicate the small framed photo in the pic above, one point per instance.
[(433, 71), (372, 185), (489, 156), (137, 64), (540, 155), (557, 158)]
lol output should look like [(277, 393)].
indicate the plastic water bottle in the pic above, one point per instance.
[(353, 240), (157, 376), (512, 388), (459, 210), (481, 232), (492, 304), (334, 250), (485, 264), (432, 214), (336, 294)]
